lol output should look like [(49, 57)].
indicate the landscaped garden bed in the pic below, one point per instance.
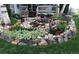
[(72, 46), (39, 33)]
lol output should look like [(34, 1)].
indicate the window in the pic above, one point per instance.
[(2, 6), (42, 8), (23, 8), (53, 8), (18, 6)]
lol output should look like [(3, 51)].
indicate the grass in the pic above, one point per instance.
[(72, 46)]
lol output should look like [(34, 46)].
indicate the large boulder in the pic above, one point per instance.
[(43, 42), (15, 41)]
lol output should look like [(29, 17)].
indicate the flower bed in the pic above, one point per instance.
[(57, 31)]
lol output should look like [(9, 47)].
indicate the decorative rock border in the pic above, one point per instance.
[(47, 39)]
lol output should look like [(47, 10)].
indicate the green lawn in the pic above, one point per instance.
[(71, 46)]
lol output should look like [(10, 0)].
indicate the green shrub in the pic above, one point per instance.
[(13, 20), (62, 26), (58, 18), (24, 34), (75, 15), (59, 28)]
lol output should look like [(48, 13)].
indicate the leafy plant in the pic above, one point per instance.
[(9, 33), (13, 20), (17, 26), (62, 26), (24, 34), (58, 18)]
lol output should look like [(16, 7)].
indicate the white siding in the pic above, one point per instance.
[(16, 9), (4, 14), (47, 9)]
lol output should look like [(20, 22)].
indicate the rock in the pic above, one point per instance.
[(43, 42), (46, 37), (1, 28), (54, 26), (38, 18), (26, 24), (30, 42), (6, 27), (1, 35), (54, 39), (66, 34), (39, 37), (72, 26), (57, 22), (46, 26), (34, 45), (72, 33), (48, 41), (50, 36), (37, 41), (62, 37), (59, 38), (21, 43), (15, 42), (73, 29)]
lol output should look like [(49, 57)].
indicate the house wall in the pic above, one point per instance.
[(54, 9), (47, 9), (14, 9), (23, 10), (4, 14)]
